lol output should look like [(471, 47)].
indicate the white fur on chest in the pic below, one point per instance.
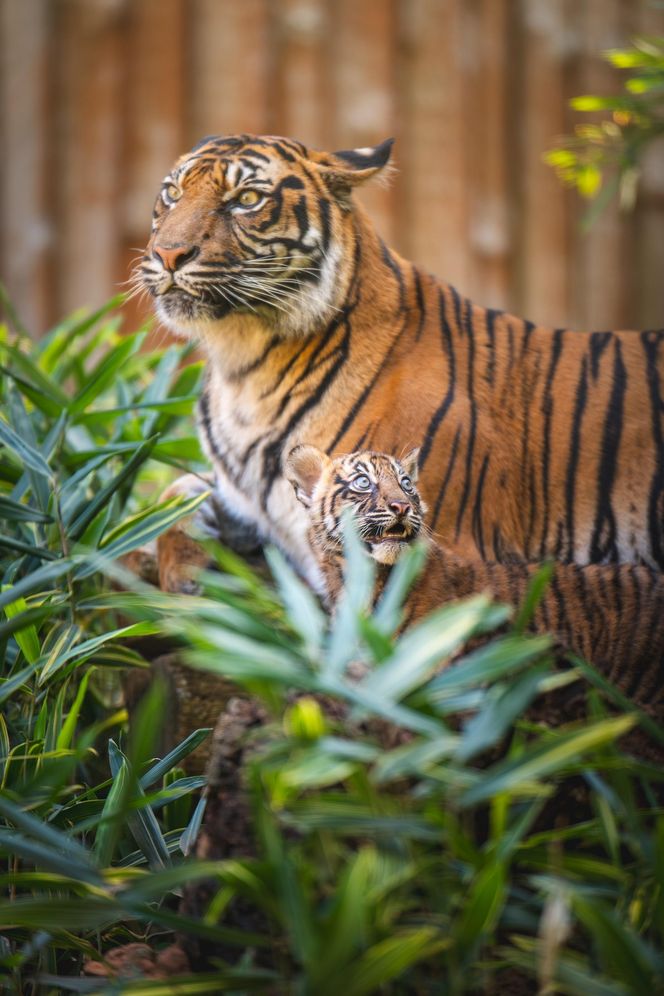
[(241, 428)]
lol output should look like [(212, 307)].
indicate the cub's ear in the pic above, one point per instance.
[(410, 464), (303, 467), (348, 168)]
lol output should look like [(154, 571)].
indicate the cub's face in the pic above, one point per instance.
[(379, 491), (255, 225)]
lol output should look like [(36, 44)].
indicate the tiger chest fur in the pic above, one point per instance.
[(533, 442)]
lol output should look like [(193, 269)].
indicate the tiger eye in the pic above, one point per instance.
[(173, 192), (248, 198), (361, 483)]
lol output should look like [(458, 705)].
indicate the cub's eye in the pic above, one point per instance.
[(361, 483), (249, 198), (407, 485), (172, 192)]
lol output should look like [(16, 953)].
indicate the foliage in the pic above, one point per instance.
[(614, 146), (413, 830), (87, 420)]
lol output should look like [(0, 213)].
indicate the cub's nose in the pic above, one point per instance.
[(174, 257), (400, 508)]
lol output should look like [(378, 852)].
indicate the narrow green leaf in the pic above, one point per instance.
[(182, 750), (545, 760), (303, 608), (105, 372), (15, 511), (389, 959), (66, 734), (483, 906), (78, 526), (28, 455), (26, 637)]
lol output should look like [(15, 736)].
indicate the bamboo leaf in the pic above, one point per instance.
[(28, 455), (545, 760)]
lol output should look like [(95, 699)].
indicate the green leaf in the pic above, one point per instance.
[(39, 380), (389, 959), (497, 659), (183, 749), (9, 543), (303, 609), (536, 588), (388, 612), (427, 646), (621, 951), (54, 842), (481, 911), (502, 706), (143, 824), (103, 496), (26, 637), (546, 759), (28, 455), (15, 511), (66, 734), (105, 372), (189, 837)]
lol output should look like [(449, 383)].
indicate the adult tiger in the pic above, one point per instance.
[(534, 441)]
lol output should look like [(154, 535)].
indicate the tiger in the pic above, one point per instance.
[(533, 442), (613, 615)]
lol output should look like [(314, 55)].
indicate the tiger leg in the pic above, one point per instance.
[(180, 553)]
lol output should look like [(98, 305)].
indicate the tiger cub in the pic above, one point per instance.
[(610, 615)]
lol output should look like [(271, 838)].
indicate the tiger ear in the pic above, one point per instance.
[(348, 168), (410, 464), (303, 467)]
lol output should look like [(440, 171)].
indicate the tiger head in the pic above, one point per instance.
[(255, 225), (379, 491)]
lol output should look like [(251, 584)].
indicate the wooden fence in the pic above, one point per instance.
[(97, 97)]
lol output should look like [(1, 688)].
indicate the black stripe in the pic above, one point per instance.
[(447, 476), (419, 297), (598, 343), (441, 411), (237, 375), (491, 315), (472, 428), (651, 342), (215, 447), (478, 533), (581, 398), (603, 543)]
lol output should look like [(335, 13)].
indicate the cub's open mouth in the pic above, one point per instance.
[(398, 533)]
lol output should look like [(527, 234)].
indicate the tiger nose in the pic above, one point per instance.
[(400, 508), (174, 257)]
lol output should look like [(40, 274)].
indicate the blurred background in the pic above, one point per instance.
[(97, 97)]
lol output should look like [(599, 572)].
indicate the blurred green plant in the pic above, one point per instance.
[(603, 159), (412, 829), (435, 861), (88, 430)]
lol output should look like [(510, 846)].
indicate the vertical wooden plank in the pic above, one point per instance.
[(89, 60), (153, 98), (432, 148), (649, 215), (26, 226), (302, 83), (486, 104), (154, 102), (230, 68), (363, 57), (550, 38), (600, 281)]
